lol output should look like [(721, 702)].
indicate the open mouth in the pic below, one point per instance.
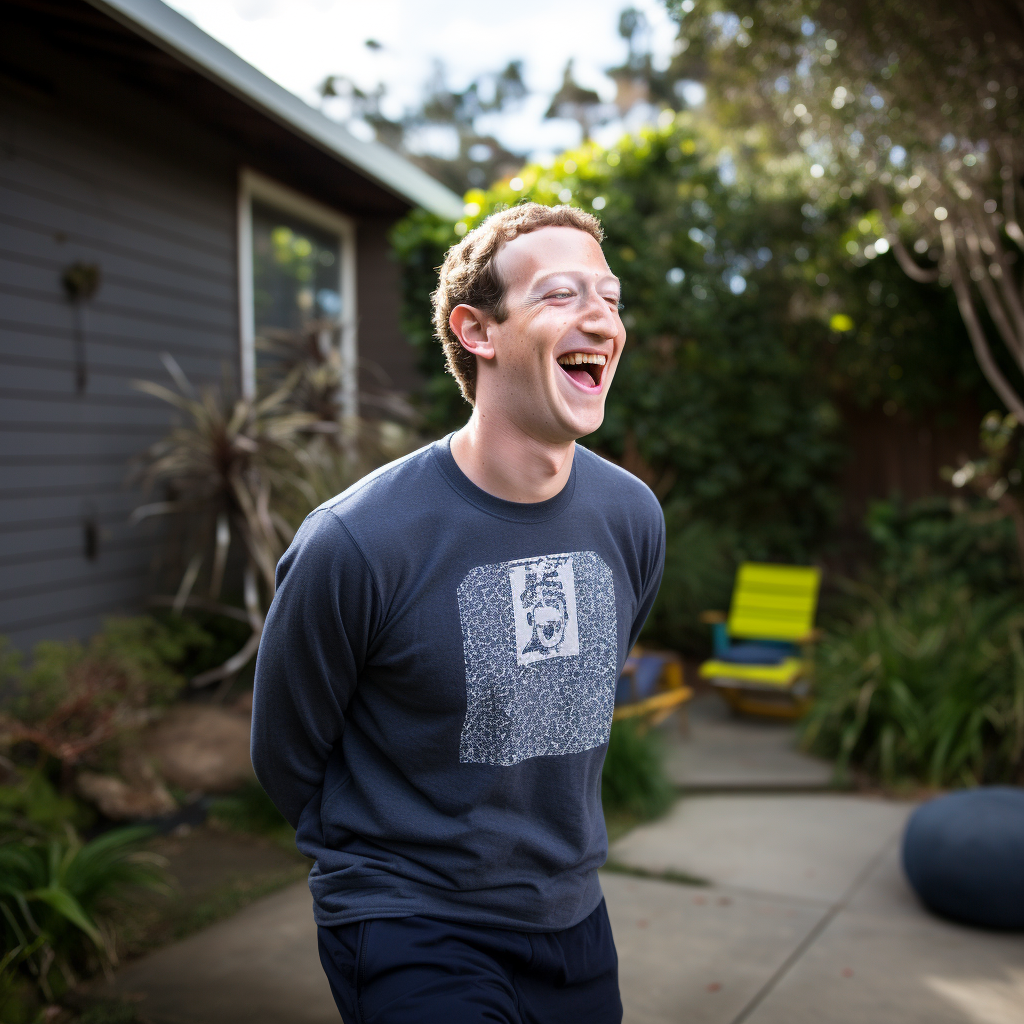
[(584, 368)]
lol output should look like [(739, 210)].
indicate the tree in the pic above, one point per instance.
[(474, 156), (915, 106), (574, 102)]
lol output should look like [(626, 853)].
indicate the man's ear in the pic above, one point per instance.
[(469, 325)]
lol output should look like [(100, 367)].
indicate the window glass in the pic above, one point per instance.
[(296, 273)]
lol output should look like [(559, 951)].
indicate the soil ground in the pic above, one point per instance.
[(213, 873)]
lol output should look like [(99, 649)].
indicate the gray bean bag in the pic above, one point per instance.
[(964, 856)]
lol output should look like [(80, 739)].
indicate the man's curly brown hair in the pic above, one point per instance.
[(468, 276)]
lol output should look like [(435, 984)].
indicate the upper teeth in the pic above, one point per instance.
[(575, 358)]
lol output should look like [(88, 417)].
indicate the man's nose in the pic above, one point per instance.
[(598, 317)]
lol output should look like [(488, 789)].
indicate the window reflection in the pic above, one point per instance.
[(296, 271), (296, 289)]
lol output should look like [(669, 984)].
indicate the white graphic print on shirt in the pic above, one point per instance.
[(544, 607), (540, 644)]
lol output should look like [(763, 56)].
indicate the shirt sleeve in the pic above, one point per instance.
[(652, 558), (311, 654)]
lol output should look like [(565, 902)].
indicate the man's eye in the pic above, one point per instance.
[(562, 293)]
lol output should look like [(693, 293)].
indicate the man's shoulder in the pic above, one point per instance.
[(389, 487), (618, 486)]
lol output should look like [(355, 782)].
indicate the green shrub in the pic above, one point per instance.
[(30, 806), (75, 698), (937, 539), (633, 780), (250, 810), (52, 895), (700, 566), (926, 685)]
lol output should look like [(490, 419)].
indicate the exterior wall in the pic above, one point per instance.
[(387, 361), (163, 235), (117, 162)]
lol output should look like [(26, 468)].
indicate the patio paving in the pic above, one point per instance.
[(720, 752), (805, 918)]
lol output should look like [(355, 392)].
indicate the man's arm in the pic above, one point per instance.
[(311, 653), (653, 562)]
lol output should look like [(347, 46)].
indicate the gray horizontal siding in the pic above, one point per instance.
[(22, 238), (163, 234)]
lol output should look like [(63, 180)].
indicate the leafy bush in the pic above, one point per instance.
[(700, 565), (76, 697), (52, 895), (633, 780), (250, 810), (937, 539), (927, 684), (30, 806)]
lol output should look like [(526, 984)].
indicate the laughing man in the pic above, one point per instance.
[(435, 683)]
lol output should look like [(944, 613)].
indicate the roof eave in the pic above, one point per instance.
[(176, 35)]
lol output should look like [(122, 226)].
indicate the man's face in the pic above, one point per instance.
[(548, 618), (556, 353)]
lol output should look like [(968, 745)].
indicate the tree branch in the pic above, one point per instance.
[(982, 352), (1006, 279), (907, 263), (923, 275), (980, 274), (1011, 226)]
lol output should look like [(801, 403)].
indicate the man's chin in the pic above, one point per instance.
[(581, 423)]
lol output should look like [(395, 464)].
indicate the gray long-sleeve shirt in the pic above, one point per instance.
[(435, 684)]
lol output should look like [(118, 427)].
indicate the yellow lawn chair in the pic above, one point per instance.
[(651, 687), (773, 611)]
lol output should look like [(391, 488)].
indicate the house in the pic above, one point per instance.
[(144, 168)]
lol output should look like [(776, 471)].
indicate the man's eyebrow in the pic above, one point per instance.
[(541, 282)]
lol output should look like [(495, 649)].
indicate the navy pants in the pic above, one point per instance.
[(418, 970)]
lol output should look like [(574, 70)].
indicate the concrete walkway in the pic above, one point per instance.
[(804, 917), (807, 918), (718, 752)]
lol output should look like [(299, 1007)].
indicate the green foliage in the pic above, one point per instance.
[(927, 684), (937, 540), (76, 698), (30, 806), (718, 400), (52, 895), (749, 325), (136, 659), (700, 566), (905, 347), (633, 780), (420, 242), (208, 639), (251, 811)]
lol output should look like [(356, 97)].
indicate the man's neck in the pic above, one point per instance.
[(504, 461)]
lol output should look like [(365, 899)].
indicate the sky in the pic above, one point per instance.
[(299, 42)]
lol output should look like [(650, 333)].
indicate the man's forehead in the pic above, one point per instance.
[(550, 250)]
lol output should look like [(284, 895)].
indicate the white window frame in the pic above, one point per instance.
[(253, 185)]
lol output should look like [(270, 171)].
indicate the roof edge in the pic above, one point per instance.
[(175, 34)]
